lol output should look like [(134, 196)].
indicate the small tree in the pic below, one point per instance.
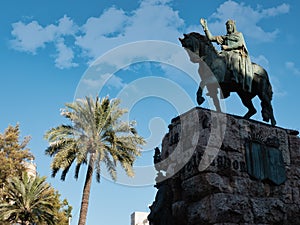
[(13, 154), (63, 211), (96, 135), (28, 200)]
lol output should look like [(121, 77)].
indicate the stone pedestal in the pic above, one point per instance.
[(222, 169)]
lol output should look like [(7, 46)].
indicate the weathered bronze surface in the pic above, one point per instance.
[(229, 70)]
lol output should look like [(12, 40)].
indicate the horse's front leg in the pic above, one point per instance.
[(200, 99), (213, 93)]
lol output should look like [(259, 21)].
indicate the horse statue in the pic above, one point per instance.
[(215, 75)]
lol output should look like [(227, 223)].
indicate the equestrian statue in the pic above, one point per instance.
[(229, 70)]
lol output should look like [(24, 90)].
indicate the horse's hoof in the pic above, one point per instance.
[(200, 100), (246, 116), (273, 122), (249, 114)]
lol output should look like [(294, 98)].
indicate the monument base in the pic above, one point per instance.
[(223, 169)]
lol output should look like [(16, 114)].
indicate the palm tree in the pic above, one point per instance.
[(28, 200), (97, 135)]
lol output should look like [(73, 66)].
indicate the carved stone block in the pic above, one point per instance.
[(227, 170)]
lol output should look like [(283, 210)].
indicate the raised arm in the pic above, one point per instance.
[(210, 37)]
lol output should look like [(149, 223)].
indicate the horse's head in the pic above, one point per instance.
[(194, 42), (195, 45)]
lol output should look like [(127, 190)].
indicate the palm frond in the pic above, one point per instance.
[(96, 135), (111, 166), (28, 199)]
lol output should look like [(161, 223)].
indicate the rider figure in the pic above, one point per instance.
[(235, 52)]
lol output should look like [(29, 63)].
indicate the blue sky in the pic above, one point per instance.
[(55, 51)]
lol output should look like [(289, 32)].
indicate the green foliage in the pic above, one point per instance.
[(95, 135), (13, 153), (96, 129), (13, 158), (62, 210), (29, 200)]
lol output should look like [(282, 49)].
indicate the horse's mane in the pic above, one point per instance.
[(203, 38), (198, 36)]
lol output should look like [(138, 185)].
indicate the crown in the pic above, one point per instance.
[(230, 22)]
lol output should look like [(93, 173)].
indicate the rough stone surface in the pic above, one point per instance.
[(204, 157)]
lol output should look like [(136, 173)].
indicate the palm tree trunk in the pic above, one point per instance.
[(86, 191)]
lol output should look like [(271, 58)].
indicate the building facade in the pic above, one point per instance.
[(139, 218)]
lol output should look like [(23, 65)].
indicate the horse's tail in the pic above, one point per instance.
[(268, 87), (265, 93), (264, 86)]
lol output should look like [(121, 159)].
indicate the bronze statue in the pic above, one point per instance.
[(235, 52), (229, 70)]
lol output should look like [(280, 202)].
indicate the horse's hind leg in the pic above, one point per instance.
[(247, 101)]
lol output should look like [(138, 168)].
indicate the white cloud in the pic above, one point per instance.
[(65, 55), (248, 19), (32, 36), (99, 34), (101, 80), (116, 82), (66, 26), (281, 9), (155, 21), (151, 20), (291, 67), (111, 22)]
